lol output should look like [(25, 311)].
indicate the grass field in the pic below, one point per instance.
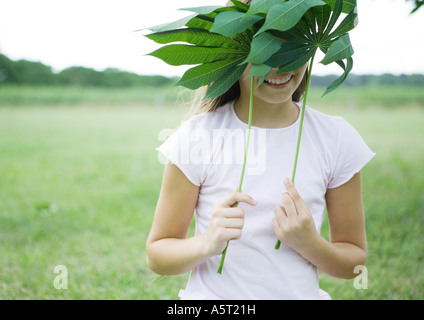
[(79, 185)]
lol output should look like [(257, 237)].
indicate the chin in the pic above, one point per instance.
[(273, 96)]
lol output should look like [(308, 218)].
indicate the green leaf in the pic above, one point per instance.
[(334, 17), (322, 15), (284, 16), (200, 22), (348, 23), (205, 21), (338, 50), (180, 54), (202, 10), (261, 6), (172, 25), (244, 39), (348, 5), (263, 47), (308, 20), (334, 85), (296, 64), (231, 23), (240, 5), (288, 52), (292, 35), (193, 36), (225, 82), (259, 70), (308, 30), (204, 74)]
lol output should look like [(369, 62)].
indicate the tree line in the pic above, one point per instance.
[(25, 72), (386, 79)]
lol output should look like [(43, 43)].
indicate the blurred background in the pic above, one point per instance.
[(81, 112)]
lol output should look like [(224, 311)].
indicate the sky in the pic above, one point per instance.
[(101, 34)]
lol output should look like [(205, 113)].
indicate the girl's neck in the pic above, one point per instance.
[(267, 115)]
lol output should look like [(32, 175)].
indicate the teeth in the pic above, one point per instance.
[(278, 80)]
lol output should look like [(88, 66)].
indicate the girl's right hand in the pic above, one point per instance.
[(226, 221)]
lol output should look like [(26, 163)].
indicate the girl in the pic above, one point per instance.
[(202, 175)]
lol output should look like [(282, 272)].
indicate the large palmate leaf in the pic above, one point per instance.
[(218, 35), (315, 30)]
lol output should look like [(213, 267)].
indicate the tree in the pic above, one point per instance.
[(25, 72)]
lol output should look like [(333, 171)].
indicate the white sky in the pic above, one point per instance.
[(100, 34)]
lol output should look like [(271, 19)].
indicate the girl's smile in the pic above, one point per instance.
[(276, 89)]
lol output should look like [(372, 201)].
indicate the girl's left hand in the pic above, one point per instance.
[(293, 222)]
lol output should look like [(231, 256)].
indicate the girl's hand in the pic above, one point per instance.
[(293, 222), (227, 221)]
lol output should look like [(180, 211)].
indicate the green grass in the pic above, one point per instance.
[(353, 97), (78, 188), (393, 195), (11, 95), (79, 185), (388, 97)]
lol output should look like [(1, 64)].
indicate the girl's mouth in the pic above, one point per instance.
[(278, 83)]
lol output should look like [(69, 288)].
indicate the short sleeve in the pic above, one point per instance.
[(184, 149), (352, 155)]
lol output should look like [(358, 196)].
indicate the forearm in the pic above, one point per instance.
[(172, 256), (336, 259)]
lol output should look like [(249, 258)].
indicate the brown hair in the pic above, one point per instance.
[(201, 106)]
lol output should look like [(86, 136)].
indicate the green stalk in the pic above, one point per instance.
[(224, 253), (302, 117)]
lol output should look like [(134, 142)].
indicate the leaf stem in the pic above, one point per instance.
[(302, 117), (252, 87)]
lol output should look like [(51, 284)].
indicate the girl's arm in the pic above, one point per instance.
[(168, 249), (347, 248)]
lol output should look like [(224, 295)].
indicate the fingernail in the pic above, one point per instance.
[(286, 180)]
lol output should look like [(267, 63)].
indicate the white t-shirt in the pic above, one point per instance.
[(209, 149)]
